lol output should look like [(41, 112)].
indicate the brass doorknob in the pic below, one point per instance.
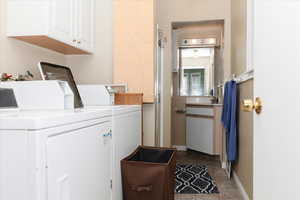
[(249, 106)]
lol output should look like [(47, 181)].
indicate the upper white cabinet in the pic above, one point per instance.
[(62, 20), (65, 26), (85, 28)]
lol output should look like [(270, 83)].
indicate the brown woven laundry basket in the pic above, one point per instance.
[(149, 174)]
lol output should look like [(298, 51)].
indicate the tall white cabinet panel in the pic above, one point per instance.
[(79, 164), (62, 20)]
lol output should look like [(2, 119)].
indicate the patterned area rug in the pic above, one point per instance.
[(194, 179)]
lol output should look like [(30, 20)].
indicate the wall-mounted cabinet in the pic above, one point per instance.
[(134, 45), (65, 26)]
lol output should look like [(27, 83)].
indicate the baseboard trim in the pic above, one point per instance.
[(180, 148), (240, 186)]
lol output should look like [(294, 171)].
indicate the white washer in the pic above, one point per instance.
[(126, 137), (55, 155)]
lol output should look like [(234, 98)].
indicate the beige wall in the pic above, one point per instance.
[(239, 36), (244, 164), (97, 68), (17, 56), (178, 121), (134, 36), (190, 11)]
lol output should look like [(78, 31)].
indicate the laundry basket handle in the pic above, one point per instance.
[(143, 188)]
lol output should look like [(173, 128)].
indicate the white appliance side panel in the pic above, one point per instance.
[(79, 164), (16, 166), (200, 134), (126, 138)]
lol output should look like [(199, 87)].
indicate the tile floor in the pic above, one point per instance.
[(228, 189)]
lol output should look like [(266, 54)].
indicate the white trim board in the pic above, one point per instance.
[(250, 34), (245, 76), (180, 148), (240, 186)]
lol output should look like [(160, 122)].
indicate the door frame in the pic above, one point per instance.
[(159, 89)]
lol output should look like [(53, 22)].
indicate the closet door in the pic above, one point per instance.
[(62, 20), (85, 28)]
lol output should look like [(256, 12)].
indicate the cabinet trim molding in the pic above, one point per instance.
[(52, 44)]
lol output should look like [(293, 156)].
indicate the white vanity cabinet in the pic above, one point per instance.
[(204, 129), (65, 26)]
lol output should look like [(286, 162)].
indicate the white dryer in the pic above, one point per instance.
[(126, 131), (126, 120), (126, 137)]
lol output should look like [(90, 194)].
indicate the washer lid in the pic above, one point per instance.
[(36, 120)]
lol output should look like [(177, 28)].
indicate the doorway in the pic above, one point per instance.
[(197, 71)]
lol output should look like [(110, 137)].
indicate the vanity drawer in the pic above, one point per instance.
[(204, 111)]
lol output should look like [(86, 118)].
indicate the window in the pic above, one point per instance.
[(196, 68)]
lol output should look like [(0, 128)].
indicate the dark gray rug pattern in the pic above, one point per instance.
[(194, 179)]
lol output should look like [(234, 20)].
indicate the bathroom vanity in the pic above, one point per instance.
[(204, 130)]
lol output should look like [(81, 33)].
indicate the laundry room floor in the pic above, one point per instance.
[(227, 188)]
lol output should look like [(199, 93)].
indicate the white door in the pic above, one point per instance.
[(277, 69), (79, 164), (85, 29), (62, 20)]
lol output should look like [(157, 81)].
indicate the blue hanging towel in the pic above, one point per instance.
[(226, 107), (229, 119)]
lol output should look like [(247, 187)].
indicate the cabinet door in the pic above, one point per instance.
[(62, 20), (85, 29), (200, 134), (79, 164)]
